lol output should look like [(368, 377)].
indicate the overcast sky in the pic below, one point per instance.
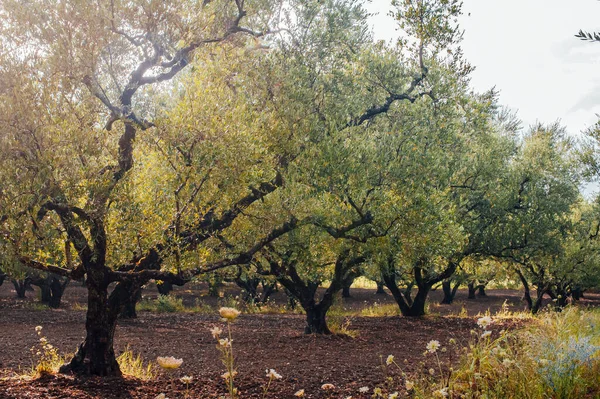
[(527, 50)]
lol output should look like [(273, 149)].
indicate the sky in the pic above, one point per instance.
[(527, 50)]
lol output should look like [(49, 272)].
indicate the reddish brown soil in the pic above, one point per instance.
[(260, 342)]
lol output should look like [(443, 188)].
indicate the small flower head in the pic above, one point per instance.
[(216, 331), (225, 342), (169, 362), (431, 371), (433, 346), (486, 334), (441, 393), (161, 396), (186, 379), (484, 322), (38, 329), (363, 389), (327, 387), (393, 395), (228, 375), (229, 314), (452, 341), (409, 385), (272, 374), (389, 360), (299, 393)]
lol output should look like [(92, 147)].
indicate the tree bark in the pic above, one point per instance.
[(417, 309), (214, 286), (380, 290), (96, 355), (346, 292), (472, 290), (537, 304), (449, 291), (267, 290), (424, 282), (130, 303), (20, 287), (164, 288), (576, 293), (315, 319), (57, 289), (344, 273), (481, 290), (52, 289), (526, 291)]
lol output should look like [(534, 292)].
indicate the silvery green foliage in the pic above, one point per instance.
[(561, 360)]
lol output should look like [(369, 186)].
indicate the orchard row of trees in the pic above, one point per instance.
[(148, 140)]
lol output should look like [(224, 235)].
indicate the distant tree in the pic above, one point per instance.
[(544, 192)]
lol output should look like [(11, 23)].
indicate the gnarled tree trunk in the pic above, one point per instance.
[(164, 287), (130, 304), (345, 271), (20, 287), (52, 289), (472, 290), (481, 290), (449, 291), (96, 355), (424, 282), (346, 289)]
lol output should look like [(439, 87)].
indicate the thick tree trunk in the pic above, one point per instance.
[(2, 278), (449, 293), (346, 288), (292, 301), (481, 290), (96, 355), (408, 293), (424, 282), (249, 289), (417, 309), (526, 291), (537, 304), (344, 274), (380, 290), (346, 292), (472, 290), (416, 306), (447, 289), (214, 286), (164, 288), (130, 303), (20, 287), (576, 293), (267, 291), (45, 293), (57, 289), (52, 289), (315, 320)]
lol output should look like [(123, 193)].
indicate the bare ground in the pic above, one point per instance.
[(261, 341)]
